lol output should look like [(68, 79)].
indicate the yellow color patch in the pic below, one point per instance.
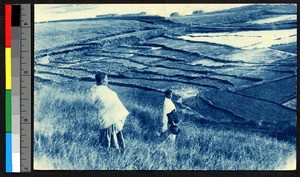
[(7, 68)]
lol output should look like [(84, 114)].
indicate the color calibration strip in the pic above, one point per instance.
[(8, 127), (12, 87)]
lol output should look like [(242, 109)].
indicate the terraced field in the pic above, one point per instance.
[(216, 82)]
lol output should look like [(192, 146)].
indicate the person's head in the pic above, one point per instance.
[(168, 93), (101, 78)]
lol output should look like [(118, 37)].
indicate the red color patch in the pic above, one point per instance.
[(7, 25)]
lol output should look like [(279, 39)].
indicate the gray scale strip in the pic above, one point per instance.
[(25, 88)]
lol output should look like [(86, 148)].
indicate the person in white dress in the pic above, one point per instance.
[(168, 107), (112, 113)]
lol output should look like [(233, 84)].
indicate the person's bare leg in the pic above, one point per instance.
[(121, 139), (114, 137)]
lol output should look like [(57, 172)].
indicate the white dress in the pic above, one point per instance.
[(168, 107), (111, 109)]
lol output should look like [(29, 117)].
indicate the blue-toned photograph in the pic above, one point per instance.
[(165, 86)]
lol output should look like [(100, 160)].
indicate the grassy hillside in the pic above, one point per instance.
[(66, 137)]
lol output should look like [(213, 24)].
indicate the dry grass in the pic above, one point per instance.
[(66, 137)]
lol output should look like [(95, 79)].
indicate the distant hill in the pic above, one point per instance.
[(142, 17), (237, 16)]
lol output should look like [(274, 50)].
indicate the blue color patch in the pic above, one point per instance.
[(8, 153)]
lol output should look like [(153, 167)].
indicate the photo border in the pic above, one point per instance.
[(144, 173)]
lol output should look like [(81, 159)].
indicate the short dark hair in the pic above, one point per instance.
[(168, 93), (100, 76)]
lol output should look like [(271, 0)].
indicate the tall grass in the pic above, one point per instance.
[(66, 136)]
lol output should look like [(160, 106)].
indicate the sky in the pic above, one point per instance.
[(48, 12)]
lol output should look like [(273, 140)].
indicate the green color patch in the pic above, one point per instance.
[(8, 111)]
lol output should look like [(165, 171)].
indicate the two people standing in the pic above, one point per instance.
[(112, 113)]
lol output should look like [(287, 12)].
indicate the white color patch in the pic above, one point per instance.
[(246, 39), (16, 162)]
